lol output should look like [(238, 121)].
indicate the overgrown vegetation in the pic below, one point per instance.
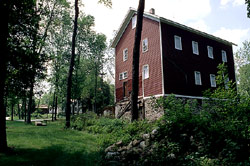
[(110, 130), (214, 134), (214, 131)]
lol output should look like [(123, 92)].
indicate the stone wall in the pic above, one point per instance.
[(146, 107)]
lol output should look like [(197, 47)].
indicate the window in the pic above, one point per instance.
[(224, 56), (226, 82), (123, 75), (195, 47), (120, 76), (134, 20), (177, 42), (197, 76), (145, 45), (212, 80), (125, 54), (210, 52), (145, 72)]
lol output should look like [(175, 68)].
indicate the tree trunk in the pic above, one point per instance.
[(136, 61), (78, 107), (30, 103), (82, 106), (55, 108), (71, 67), (18, 110), (24, 109), (12, 111), (4, 9), (95, 109)]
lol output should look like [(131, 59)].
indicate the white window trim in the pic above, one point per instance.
[(224, 55), (226, 80), (120, 75), (134, 21), (144, 73), (212, 53), (197, 82), (194, 43), (123, 75), (213, 81), (147, 45), (175, 38), (124, 59)]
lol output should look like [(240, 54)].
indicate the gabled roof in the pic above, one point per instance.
[(132, 11)]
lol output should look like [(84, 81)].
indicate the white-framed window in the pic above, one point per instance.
[(177, 42), (145, 72), (123, 75), (197, 76), (120, 76), (224, 56), (195, 47), (145, 45), (213, 80), (210, 52), (125, 54), (226, 80), (134, 21)]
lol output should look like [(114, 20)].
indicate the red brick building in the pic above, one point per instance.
[(174, 58)]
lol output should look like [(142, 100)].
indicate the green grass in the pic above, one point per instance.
[(49, 145)]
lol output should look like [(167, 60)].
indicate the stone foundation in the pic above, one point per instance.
[(146, 109)]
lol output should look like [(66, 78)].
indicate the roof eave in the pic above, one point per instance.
[(131, 12), (204, 34), (122, 28)]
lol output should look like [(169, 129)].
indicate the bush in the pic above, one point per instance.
[(110, 130), (215, 134)]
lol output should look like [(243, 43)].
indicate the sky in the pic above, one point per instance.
[(226, 19)]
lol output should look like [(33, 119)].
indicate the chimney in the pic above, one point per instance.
[(152, 11)]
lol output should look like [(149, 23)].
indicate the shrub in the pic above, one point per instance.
[(215, 134), (110, 130)]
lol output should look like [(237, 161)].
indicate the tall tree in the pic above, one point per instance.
[(242, 58), (247, 2), (72, 61), (136, 61), (4, 9)]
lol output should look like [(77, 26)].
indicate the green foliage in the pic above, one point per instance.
[(214, 133), (110, 130), (247, 2), (242, 58)]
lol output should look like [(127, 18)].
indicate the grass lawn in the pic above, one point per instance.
[(49, 145)]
